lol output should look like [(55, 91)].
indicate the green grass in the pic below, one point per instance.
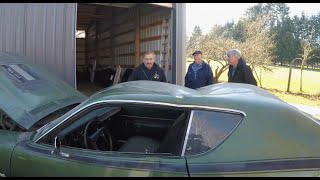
[(275, 81), (298, 99)]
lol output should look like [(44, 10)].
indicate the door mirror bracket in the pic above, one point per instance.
[(56, 148)]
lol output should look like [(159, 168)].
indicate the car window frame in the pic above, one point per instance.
[(92, 106), (216, 146), (114, 109)]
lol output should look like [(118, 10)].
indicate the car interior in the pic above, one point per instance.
[(128, 129)]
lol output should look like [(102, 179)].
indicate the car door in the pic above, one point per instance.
[(32, 159), (40, 159)]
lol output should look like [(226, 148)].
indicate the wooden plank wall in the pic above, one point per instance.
[(80, 53), (113, 42)]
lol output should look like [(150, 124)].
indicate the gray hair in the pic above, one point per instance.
[(149, 52), (234, 52)]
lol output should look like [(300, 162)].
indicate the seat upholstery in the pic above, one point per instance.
[(140, 144), (172, 142)]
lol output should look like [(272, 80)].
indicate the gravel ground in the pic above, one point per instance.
[(314, 111)]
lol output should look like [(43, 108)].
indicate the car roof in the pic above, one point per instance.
[(272, 129), (224, 95)]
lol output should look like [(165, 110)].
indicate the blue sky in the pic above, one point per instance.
[(206, 15)]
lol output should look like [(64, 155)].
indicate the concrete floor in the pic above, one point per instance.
[(88, 88)]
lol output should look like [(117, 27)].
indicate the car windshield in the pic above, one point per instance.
[(56, 121)]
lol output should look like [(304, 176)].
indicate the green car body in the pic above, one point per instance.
[(270, 138)]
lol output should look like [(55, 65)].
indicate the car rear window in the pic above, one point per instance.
[(209, 129)]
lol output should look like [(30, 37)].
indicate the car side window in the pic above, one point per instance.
[(208, 129), (84, 119)]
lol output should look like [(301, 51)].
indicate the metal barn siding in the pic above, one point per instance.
[(151, 20), (43, 31), (179, 42), (12, 34), (124, 38)]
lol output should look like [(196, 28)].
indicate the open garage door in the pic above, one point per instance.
[(114, 36)]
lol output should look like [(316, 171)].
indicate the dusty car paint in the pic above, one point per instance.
[(8, 140)]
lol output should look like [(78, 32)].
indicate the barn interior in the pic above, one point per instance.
[(111, 39)]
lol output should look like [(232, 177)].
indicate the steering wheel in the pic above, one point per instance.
[(97, 140)]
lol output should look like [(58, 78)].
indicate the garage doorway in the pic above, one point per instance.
[(112, 37)]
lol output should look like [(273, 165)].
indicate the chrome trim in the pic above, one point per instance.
[(198, 107), (193, 107), (187, 134), (314, 120)]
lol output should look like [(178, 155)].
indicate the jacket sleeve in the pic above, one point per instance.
[(133, 76), (210, 76), (186, 79), (248, 76), (163, 76)]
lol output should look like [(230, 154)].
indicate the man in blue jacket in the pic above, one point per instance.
[(199, 73)]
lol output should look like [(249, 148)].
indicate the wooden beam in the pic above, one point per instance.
[(86, 43), (126, 54), (105, 57), (122, 11), (151, 39), (123, 44), (125, 21), (105, 38), (111, 46), (112, 34), (157, 23), (97, 42), (137, 40), (152, 11), (88, 15), (124, 32)]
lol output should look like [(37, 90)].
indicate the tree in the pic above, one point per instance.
[(194, 41), (275, 13), (215, 46), (280, 25), (314, 57), (256, 45), (309, 52), (287, 45)]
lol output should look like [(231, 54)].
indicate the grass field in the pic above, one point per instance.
[(276, 83)]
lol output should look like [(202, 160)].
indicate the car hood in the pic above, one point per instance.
[(28, 92)]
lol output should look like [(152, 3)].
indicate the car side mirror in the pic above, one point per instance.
[(56, 146)]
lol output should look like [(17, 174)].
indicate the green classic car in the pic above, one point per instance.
[(146, 128)]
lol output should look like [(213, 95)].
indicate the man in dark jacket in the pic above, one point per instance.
[(199, 73), (148, 70), (239, 71)]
